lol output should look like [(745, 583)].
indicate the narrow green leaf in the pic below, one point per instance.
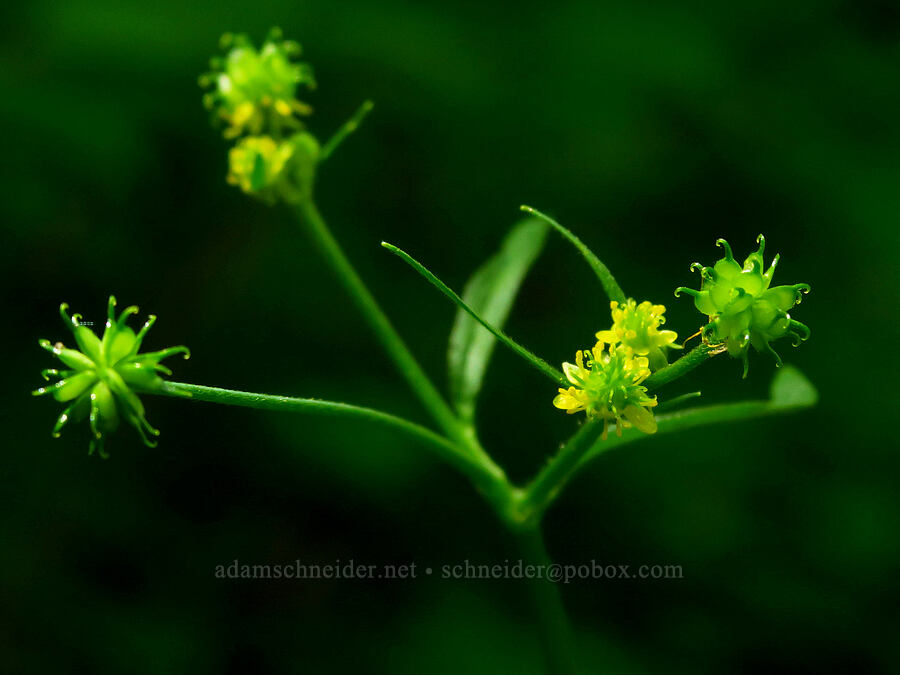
[(518, 349), (607, 280), (491, 292)]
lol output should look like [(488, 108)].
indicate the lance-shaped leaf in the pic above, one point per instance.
[(491, 292)]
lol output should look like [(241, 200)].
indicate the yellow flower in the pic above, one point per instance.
[(637, 327), (607, 386), (256, 164), (255, 90)]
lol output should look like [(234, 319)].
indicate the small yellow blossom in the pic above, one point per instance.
[(637, 327), (607, 386), (257, 165)]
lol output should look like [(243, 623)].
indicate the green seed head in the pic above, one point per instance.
[(101, 377), (743, 308)]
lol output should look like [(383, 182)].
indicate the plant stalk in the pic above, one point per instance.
[(379, 323), (698, 355), (480, 474), (550, 480), (554, 624)]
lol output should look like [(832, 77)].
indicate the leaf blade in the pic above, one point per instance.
[(491, 291)]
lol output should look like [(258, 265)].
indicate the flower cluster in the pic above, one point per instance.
[(256, 165), (606, 385), (743, 309), (103, 374), (637, 327), (254, 91), (606, 381)]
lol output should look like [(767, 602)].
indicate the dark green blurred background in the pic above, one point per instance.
[(650, 131)]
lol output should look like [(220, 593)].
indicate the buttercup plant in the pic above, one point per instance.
[(617, 382)]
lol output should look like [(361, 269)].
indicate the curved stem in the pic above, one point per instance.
[(607, 280), (555, 629), (488, 478), (438, 444)]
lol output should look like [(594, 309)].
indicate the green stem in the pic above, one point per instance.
[(551, 479), (444, 448), (534, 360), (555, 630), (682, 366), (497, 489), (345, 130), (380, 324), (607, 280)]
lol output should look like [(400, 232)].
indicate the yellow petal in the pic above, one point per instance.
[(607, 336)]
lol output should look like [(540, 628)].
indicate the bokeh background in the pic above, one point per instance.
[(651, 131)]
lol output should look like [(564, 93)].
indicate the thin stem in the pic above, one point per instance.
[(534, 360), (607, 280), (345, 130), (496, 489), (672, 403), (544, 488), (444, 448), (555, 630), (380, 324), (699, 354)]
